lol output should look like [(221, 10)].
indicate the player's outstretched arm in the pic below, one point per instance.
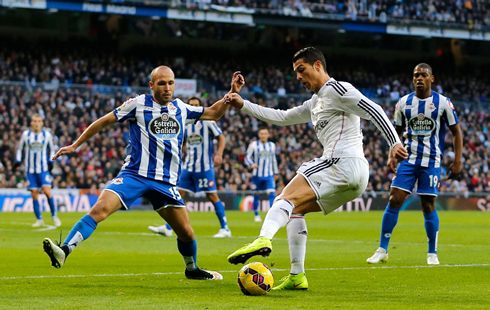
[(455, 168), (218, 109), (91, 131)]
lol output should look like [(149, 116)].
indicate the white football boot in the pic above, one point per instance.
[(223, 233), (162, 230), (56, 221), (379, 256), (257, 219), (54, 252), (38, 223), (432, 259)]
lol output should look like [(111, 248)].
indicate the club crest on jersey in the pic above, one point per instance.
[(194, 139), (165, 127), (117, 181), (171, 108), (421, 125)]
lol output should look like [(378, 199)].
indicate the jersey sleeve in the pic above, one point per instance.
[(193, 113), (126, 110), (297, 115), (249, 157), (398, 115), (20, 149), (451, 118), (274, 159), (214, 128), (353, 101), (50, 146)]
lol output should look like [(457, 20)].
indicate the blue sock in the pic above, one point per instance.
[(220, 213), (52, 207), (168, 226), (256, 204), (37, 209), (188, 250), (390, 218), (272, 196), (81, 231), (432, 229)]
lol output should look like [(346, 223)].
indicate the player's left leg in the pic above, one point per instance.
[(428, 189), (37, 208), (52, 206), (431, 227), (220, 213), (178, 218)]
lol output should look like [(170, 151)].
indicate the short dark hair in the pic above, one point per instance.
[(263, 128), (195, 98), (310, 55), (424, 66)]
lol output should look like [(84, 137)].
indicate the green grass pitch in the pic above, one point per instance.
[(124, 266)]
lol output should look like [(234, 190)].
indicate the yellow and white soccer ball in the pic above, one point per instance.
[(255, 279)]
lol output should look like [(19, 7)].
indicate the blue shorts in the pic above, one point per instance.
[(39, 180), (129, 187), (263, 184), (197, 181), (428, 179)]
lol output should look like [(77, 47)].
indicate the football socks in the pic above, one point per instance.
[(37, 209), (390, 218), (220, 213), (432, 230), (297, 235), (277, 217), (256, 204), (81, 231), (52, 206), (188, 250)]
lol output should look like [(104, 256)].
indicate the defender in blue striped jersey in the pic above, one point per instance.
[(421, 117), (36, 150), (261, 157), (152, 170), (198, 171)]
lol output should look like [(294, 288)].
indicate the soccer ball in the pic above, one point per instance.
[(255, 279)]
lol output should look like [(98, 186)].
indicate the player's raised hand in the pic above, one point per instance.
[(234, 100), (63, 151), (454, 170), (237, 82)]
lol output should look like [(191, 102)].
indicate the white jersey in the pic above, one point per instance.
[(156, 136), (264, 156), (37, 150), (424, 122), (335, 114)]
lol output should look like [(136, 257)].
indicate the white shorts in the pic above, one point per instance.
[(336, 181)]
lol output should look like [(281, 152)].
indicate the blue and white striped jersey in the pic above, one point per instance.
[(264, 156), (37, 150), (200, 145), (424, 122), (156, 136)]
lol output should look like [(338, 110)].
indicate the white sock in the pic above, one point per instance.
[(277, 217), (297, 235)]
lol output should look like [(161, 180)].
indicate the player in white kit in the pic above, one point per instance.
[(325, 183)]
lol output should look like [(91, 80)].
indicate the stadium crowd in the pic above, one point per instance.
[(68, 111), (472, 13)]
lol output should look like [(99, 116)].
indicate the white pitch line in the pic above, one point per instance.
[(234, 271)]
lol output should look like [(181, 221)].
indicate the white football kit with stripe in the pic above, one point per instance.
[(342, 173)]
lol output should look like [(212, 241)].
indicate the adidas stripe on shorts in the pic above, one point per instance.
[(336, 181)]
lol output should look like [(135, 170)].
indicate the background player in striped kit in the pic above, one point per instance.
[(421, 117), (198, 169), (261, 157), (322, 184), (152, 170), (36, 148)]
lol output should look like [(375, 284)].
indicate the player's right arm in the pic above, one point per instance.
[(120, 114), (20, 149), (297, 115), (249, 157), (91, 131)]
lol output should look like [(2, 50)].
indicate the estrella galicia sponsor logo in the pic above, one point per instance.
[(117, 181), (421, 125), (265, 154), (36, 145), (194, 139), (165, 127)]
